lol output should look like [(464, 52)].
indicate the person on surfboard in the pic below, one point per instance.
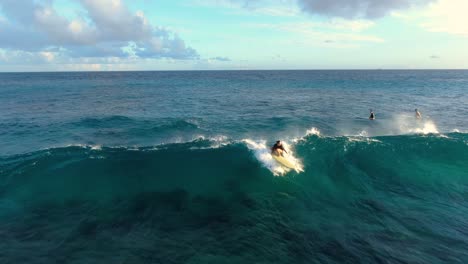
[(278, 149), (372, 115), (418, 114)]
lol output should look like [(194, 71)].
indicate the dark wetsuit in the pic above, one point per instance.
[(276, 146), (372, 116)]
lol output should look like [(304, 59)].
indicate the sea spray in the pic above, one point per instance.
[(408, 124)]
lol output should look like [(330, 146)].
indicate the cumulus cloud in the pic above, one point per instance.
[(106, 29)]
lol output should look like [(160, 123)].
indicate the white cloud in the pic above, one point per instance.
[(441, 16), (48, 56), (107, 29), (18, 57), (114, 21), (448, 16), (15, 57)]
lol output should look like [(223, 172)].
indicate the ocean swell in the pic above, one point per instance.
[(205, 202)]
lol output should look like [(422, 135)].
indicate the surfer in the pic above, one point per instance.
[(372, 115), (418, 114), (278, 149)]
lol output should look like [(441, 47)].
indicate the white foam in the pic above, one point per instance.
[(76, 145), (309, 132), (217, 141), (363, 133), (427, 127), (263, 154), (86, 146), (362, 139), (407, 124), (96, 147), (313, 131)]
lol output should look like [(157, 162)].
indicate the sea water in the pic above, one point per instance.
[(174, 167)]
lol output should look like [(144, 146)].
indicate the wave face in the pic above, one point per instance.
[(392, 199)]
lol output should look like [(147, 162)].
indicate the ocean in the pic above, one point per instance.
[(175, 167)]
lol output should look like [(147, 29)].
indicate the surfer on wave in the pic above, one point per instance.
[(372, 115), (278, 149)]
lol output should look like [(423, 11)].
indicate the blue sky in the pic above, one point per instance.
[(69, 35)]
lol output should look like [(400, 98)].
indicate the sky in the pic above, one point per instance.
[(103, 35)]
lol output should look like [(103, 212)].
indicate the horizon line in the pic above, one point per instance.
[(219, 70)]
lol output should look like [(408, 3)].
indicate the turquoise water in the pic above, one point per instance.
[(173, 167)]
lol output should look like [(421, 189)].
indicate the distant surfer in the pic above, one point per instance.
[(418, 114), (372, 115), (278, 149)]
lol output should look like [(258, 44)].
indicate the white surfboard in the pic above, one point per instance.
[(283, 161)]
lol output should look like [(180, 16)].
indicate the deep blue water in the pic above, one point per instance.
[(174, 167)]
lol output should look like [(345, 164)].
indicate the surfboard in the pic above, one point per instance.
[(283, 161)]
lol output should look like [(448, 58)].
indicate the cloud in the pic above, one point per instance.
[(163, 44), (107, 28), (447, 16), (370, 9), (349, 9), (26, 57), (15, 60), (441, 16), (115, 22), (224, 59)]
